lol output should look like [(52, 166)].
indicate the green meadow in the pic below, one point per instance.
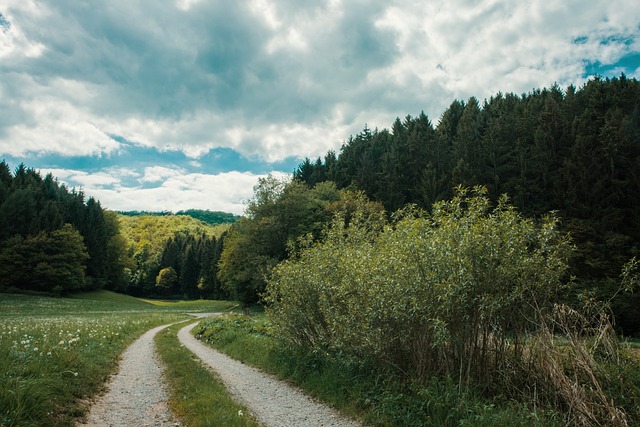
[(57, 353)]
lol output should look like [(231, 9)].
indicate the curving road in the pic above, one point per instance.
[(272, 402), (136, 394)]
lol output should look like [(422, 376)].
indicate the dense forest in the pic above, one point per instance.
[(53, 239), (207, 216), (57, 241), (172, 256), (574, 152)]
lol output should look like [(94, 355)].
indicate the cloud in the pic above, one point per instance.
[(159, 173), (187, 75), (189, 84), (172, 189)]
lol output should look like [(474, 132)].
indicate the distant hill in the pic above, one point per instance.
[(207, 216), (154, 230)]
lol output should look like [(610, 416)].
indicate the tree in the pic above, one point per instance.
[(18, 214), (50, 262), (279, 213), (466, 145), (167, 278), (118, 259)]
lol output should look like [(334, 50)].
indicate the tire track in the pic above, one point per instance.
[(272, 402), (136, 394)]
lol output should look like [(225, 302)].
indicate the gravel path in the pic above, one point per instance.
[(136, 395), (272, 402)]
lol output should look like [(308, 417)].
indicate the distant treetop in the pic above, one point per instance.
[(210, 217)]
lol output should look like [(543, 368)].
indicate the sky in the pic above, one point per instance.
[(184, 104)]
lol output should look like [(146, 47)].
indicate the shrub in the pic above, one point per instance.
[(439, 293), (467, 292)]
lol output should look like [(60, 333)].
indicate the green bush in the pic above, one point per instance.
[(440, 293), (466, 292)]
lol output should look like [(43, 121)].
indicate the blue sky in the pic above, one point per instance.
[(182, 104)]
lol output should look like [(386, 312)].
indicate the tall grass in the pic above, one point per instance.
[(56, 353), (360, 390)]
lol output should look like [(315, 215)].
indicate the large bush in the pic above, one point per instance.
[(438, 293), (467, 292)]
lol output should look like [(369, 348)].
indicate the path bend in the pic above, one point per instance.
[(271, 401)]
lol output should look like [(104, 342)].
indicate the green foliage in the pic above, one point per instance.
[(191, 247), (167, 278), (153, 231), (35, 216), (575, 152), (278, 214), (50, 262), (438, 293), (467, 292), (206, 216)]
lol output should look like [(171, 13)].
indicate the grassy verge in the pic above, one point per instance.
[(56, 353), (633, 343), (197, 396), (379, 400)]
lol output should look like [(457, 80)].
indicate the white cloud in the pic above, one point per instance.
[(267, 78), (484, 47), (274, 79), (225, 192), (14, 44), (81, 179), (159, 173), (54, 120)]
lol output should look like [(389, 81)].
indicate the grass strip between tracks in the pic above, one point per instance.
[(197, 396)]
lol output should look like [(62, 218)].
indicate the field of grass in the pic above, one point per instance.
[(56, 353), (194, 306)]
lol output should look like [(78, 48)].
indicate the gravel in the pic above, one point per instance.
[(272, 402), (136, 394)]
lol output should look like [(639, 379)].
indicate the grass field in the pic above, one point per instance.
[(56, 353)]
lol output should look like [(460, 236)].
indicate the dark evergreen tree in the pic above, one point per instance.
[(575, 151)]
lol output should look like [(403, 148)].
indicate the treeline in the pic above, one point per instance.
[(573, 152), (279, 213), (207, 216), (576, 152), (53, 239), (172, 256)]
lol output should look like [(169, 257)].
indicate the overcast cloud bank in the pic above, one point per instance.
[(168, 106)]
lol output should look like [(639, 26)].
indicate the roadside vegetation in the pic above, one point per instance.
[(57, 353), (360, 391), (455, 310)]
